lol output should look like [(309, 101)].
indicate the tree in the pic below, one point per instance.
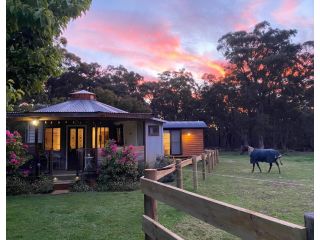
[(267, 69), (174, 97), (33, 40)]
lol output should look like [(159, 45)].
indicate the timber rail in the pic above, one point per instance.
[(238, 221)]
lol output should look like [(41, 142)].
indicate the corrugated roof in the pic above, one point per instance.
[(81, 106), (184, 124), (82, 92)]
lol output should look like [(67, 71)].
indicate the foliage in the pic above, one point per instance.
[(17, 154), (12, 95), (42, 184), (115, 86), (33, 39), (17, 184), (118, 167), (174, 97), (81, 186), (164, 161), (267, 81)]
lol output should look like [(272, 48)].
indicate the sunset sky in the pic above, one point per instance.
[(150, 37)]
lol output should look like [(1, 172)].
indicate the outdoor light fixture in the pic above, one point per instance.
[(77, 178), (55, 179), (35, 122)]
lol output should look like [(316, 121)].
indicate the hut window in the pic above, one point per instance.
[(100, 137), (52, 139), (153, 130)]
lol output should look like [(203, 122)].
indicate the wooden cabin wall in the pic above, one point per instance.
[(192, 142)]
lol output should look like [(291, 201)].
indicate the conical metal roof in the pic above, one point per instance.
[(80, 103)]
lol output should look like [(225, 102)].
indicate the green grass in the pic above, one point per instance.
[(117, 215)]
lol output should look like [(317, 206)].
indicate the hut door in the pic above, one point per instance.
[(75, 141), (175, 142)]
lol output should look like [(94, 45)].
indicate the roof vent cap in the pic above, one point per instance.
[(83, 95)]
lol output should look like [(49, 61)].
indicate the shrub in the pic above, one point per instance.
[(26, 185), (118, 168), (42, 184), (81, 186), (17, 154), (163, 161), (17, 185)]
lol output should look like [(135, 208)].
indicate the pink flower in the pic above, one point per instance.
[(130, 147), (13, 155), (16, 133), (25, 146), (25, 172), (114, 147), (8, 133), (14, 161)]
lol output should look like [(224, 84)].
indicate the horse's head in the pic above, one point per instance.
[(248, 149), (243, 149)]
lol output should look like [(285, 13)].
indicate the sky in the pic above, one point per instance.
[(150, 37)]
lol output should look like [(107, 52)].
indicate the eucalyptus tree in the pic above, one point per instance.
[(266, 64)]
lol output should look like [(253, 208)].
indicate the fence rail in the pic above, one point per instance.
[(238, 221)]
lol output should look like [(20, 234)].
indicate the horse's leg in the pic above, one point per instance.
[(259, 166), (270, 167), (253, 167), (278, 166)]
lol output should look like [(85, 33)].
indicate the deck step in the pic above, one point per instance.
[(57, 192), (62, 184), (63, 177)]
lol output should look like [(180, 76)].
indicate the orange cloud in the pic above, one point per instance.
[(148, 46)]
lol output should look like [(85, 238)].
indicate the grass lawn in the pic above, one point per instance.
[(117, 215)]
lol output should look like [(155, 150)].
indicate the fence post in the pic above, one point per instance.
[(203, 166), (195, 172), (150, 204), (218, 160), (309, 224), (211, 160), (215, 157), (179, 174)]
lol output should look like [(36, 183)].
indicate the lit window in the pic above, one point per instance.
[(52, 139), (100, 135)]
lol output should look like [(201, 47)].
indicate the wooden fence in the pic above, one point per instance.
[(238, 221)]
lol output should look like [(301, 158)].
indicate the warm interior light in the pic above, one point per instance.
[(35, 122), (189, 134)]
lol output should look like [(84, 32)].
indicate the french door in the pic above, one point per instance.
[(175, 142), (75, 141)]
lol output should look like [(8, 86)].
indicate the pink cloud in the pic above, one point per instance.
[(286, 14), (248, 17), (141, 44)]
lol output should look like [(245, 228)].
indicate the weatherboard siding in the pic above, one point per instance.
[(192, 142)]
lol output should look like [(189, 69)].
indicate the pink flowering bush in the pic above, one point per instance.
[(17, 153), (119, 165)]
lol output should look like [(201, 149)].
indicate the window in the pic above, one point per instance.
[(52, 139), (100, 136), (153, 130)]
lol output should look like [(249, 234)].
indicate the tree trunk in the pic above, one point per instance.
[(261, 142), (244, 139)]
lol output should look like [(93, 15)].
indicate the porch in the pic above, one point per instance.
[(87, 161)]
